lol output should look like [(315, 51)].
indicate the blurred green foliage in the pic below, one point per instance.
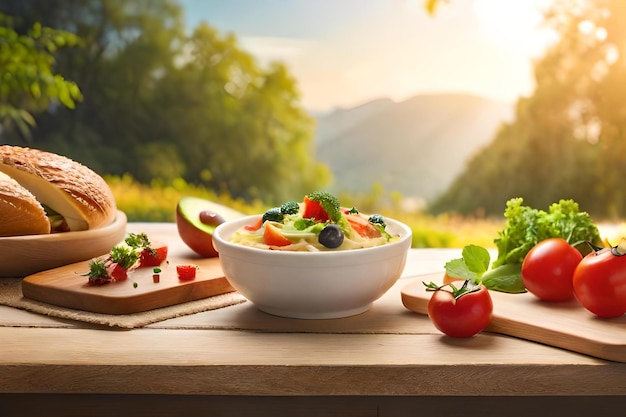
[(156, 202), (28, 82), (161, 102), (168, 111), (568, 139)]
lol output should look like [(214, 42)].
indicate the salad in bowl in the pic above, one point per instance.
[(312, 259), (318, 223)]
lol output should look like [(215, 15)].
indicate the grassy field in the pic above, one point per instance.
[(157, 203)]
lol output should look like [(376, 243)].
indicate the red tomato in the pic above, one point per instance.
[(600, 283), (314, 210), (186, 272), (273, 237), (362, 226), (116, 271), (156, 257), (548, 269), (255, 226), (462, 315)]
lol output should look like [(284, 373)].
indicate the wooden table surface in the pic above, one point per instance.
[(240, 361)]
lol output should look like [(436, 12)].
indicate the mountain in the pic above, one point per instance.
[(416, 147)]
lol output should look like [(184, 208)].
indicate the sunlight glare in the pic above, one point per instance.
[(512, 25)]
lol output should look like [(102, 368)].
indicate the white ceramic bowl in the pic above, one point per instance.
[(312, 285)]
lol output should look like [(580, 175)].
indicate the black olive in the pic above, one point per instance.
[(331, 236)]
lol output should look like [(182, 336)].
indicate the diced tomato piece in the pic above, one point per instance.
[(314, 210), (116, 271), (362, 226), (273, 237), (254, 226), (156, 257), (186, 272)]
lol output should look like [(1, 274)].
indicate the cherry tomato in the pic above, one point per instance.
[(273, 237), (254, 226), (548, 270), (461, 313), (362, 226), (600, 283), (186, 272), (314, 210), (154, 257), (116, 271)]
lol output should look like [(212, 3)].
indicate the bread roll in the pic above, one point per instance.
[(20, 212), (71, 189)]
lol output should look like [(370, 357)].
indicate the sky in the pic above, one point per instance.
[(344, 53)]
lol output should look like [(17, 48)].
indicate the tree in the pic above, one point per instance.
[(568, 138), (244, 129), (28, 81), (160, 104)]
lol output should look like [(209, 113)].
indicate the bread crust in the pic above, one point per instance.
[(20, 212), (68, 187)]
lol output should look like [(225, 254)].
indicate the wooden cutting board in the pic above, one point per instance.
[(66, 287), (564, 325)]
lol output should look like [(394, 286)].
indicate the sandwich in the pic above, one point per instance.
[(20, 212), (70, 195)]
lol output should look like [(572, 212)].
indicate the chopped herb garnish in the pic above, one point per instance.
[(97, 269), (139, 241), (124, 255)]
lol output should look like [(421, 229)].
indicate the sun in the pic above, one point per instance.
[(513, 24)]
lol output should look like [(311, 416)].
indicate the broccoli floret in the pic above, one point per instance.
[(331, 206), (290, 207), (377, 219), (379, 223), (329, 203), (274, 215)]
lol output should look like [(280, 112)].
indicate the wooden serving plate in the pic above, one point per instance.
[(67, 287), (565, 325), (23, 255)]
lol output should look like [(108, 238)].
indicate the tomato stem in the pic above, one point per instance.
[(468, 287), (586, 247)]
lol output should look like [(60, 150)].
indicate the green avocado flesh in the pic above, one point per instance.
[(191, 207)]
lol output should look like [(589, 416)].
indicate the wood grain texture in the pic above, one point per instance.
[(210, 362), (24, 255), (411, 364), (67, 287), (566, 325)]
